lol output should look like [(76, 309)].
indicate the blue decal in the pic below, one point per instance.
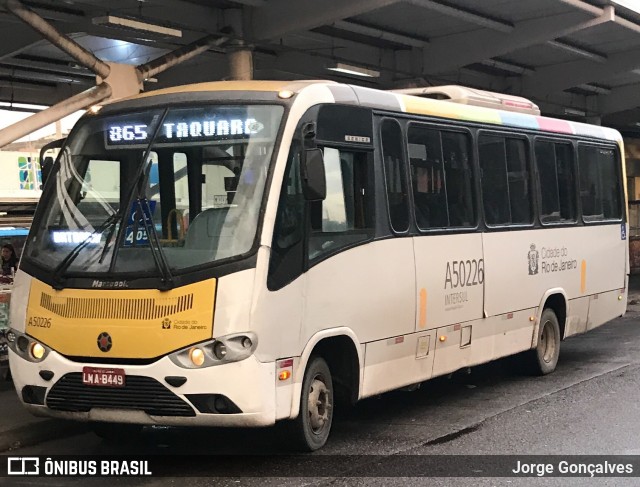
[(141, 238), (623, 232)]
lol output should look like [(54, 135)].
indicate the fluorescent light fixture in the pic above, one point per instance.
[(355, 70), (575, 111), (136, 25), (23, 106)]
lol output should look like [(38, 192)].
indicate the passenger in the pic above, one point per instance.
[(9, 260)]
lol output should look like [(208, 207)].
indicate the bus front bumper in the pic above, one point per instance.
[(233, 394)]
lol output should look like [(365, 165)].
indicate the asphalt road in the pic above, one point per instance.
[(589, 406)]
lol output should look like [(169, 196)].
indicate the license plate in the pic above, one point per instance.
[(103, 377)]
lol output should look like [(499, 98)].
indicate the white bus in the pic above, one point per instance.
[(263, 250)]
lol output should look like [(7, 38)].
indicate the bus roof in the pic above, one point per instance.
[(407, 103)]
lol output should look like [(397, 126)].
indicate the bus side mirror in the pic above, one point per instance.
[(314, 183), (45, 168)]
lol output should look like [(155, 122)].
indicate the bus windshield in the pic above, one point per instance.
[(182, 186)]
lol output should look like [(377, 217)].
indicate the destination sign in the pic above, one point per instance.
[(184, 131)]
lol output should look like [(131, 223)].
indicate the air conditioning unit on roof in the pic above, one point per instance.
[(472, 96)]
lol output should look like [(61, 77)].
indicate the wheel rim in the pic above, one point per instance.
[(548, 342), (319, 405)]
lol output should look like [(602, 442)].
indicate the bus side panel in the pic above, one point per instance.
[(449, 279), (397, 362), (369, 288), (605, 307), (521, 266), (577, 316), (449, 286)]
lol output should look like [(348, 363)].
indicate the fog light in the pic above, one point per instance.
[(246, 342), (11, 336), (197, 356), (37, 351), (220, 404), (220, 350), (23, 343)]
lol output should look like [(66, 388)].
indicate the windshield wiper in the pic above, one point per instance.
[(147, 221), (158, 255), (110, 222)]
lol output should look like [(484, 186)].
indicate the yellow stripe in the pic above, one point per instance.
[(142, 323), (423, 308), (583, 277)]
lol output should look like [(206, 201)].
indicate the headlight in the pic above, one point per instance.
[(37, 351), (26, 347), (197, 356), (222, 350)]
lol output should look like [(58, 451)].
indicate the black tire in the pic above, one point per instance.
[(543, 359), (310, 430), (118, 433)]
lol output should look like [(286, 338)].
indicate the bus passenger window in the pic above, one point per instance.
[(395, 175), (427, 169), (458, 178), (505, 177), (556, 180), (345, 216), (599, 183), (442, 178)]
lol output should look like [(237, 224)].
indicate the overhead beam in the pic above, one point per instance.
[(620, 99), (458, 50), (76, 72), (30, 75), (280, 17), (378, 33), (465, 14), (578, 51), (63, 42), (559, 77)]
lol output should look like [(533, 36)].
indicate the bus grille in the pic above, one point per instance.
[(117, 309), (139, 393)]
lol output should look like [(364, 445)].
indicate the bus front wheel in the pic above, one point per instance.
[(310, 430), (544, 358)]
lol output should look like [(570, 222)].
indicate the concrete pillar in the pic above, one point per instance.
[(594, 120), (240, 63), (239, 54)]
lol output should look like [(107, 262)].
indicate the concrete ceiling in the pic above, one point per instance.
[(576, 59)]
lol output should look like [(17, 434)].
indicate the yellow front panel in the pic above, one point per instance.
[(140, 323)]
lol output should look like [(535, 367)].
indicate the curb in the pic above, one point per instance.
[(34, 433)]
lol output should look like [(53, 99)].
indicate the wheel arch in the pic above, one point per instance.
[(557, 300), (346, 368)]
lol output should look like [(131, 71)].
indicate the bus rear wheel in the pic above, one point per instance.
[(544, 358), (310, 430)]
